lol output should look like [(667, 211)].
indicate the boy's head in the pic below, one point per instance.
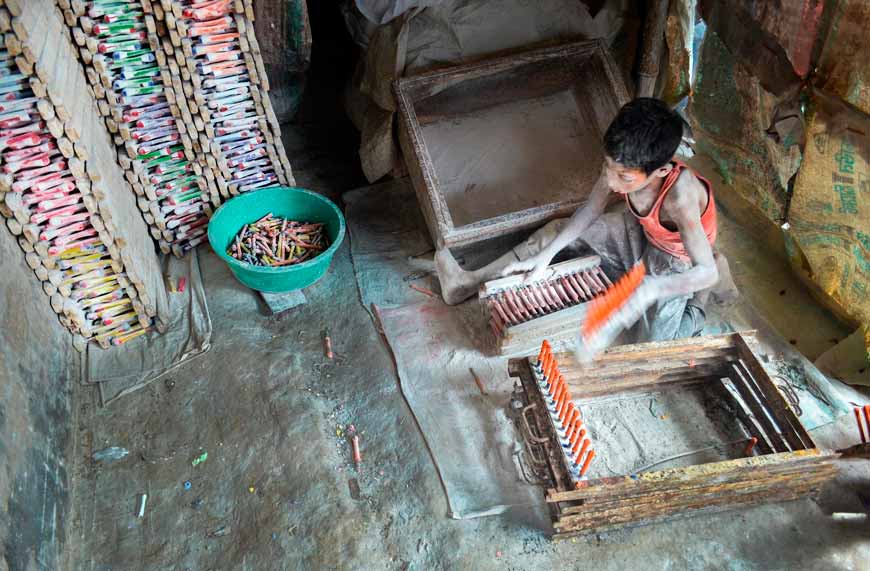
[(640, 143)]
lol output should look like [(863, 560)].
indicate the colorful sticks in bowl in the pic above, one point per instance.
[(275, 241)]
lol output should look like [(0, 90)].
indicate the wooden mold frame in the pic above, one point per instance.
[(785, 464), (585, 68)]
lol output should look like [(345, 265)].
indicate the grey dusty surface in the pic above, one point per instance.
[(35, 420), (488, 160), (279, 490), (266, 406)]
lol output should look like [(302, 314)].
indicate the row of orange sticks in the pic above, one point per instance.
[(566, 416)]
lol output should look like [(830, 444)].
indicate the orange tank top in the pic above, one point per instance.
[(669, 240)]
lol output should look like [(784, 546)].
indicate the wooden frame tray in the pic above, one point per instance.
[(785, 464), (506, 144)]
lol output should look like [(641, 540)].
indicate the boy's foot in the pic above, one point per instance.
[(457, 285)]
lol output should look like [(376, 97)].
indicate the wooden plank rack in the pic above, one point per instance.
[(783, 463)]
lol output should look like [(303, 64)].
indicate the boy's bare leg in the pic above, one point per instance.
[(457, 284)]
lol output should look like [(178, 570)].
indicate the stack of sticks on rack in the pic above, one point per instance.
[(58, 192), (213, 43), (154, 145), (182, 87), (511, 300), (564, 414)]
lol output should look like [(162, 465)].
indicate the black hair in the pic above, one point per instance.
[(644, 135)]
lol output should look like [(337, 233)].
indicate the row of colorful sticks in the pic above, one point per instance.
[(574, 438)]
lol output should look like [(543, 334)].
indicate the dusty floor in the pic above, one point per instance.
[(278, 490)]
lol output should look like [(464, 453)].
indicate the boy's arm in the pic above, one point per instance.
[(582, 218), (681, 206)]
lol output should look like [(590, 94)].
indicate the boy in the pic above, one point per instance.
[(669, 222)]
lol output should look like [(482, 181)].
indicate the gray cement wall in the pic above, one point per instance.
[(36, 376)]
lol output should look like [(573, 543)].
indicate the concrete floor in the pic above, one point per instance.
[(278, 490)]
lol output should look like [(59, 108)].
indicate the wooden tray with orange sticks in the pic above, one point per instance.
[(775, 458)]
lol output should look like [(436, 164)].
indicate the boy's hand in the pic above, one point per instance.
[(536, 267), (649, 292)]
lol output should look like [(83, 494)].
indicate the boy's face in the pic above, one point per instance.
[(625, 180)]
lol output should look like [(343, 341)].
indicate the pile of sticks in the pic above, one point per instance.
[(274, 241), (61, 190)]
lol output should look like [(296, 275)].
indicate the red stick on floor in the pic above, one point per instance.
[(357, 455), (860, 425), (422, 290), (327, 346)]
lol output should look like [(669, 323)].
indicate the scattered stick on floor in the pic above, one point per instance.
[(142, 499), (860, 425), (422, 290), (357, 455), (327, 345), (477, 380)]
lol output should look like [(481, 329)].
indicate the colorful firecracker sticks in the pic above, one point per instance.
[(160, 157), (567, 422), (274, 241), (45, 195), (213, 41)]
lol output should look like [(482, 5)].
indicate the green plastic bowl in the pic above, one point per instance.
[(287, 202)]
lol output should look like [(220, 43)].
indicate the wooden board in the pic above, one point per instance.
[(581, 75)]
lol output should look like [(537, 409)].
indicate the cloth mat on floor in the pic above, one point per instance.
[(472, 441), (387, 233), (122, 370)]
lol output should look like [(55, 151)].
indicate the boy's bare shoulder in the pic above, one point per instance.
[(687, 190)]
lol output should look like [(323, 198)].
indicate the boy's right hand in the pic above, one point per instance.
[(536, 267)]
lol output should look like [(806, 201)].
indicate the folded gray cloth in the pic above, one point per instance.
[(382, 11)]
